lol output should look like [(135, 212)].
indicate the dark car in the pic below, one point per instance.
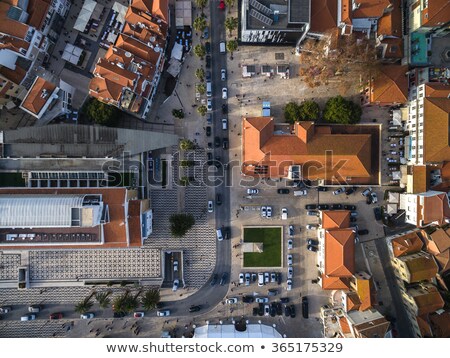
[(279, 278), (195, 308), (57, 315), (225, 143), (322, 188), (311, 207), (226, 232), (255, 311), (312, 248), (350, 191), (119, 314), (292, 311), (323, 206), (210, 145), (208, 47), (368, 200), (353, 219), (223, 279), (209, 118), (248, 299), (214, 279), (279, 308), (272, 292), (224, 108), (208, 61), (377, 212), (210, 158), (218, 199), (208, 75), (217, 142), (350, 207), (208, 131), (283, 191), (273, 309), (284, 299), (336, 207), (261, 309), (287, 311), (363, 232), (312, 242), (305, 308)]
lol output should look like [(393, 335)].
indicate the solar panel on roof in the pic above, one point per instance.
[(260, 7), (260, 17)]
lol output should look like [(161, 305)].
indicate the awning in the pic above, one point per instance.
[(84, 15)]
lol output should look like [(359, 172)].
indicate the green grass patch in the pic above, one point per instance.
[(271, 240), (11, 180)]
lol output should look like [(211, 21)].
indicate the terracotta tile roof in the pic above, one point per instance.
[(114, 54), (158, 8), (436, 137), (339, 253), (345, 327), (436, 209), (420, 179), (407, 244), (335, 219), (335, 283), (9, 26), (323, 15), (421, 267), (135, 17), (261, 146), (13, 43), (115, 232), (438, 241), (16, 76), (443, 261), (370, 8), (377, 328), (346, 11), (34, 101), (364, 289), (440, 324), (436, 13), (352, 301), (115, 74), (428, 302), (137, 48), (105, 90), (390, 86), (424, 326), (37, 9), (390, 24), (134, 222), (394, 48), (437, 89)]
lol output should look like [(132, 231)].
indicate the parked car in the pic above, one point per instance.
[(163, 313), (279, 308), (209, 105), (273, 309), (302, 192), (176, 283), (305, 309), (263, 211), (208, 75), (312, 213), (87, 315), (266, 277), (310, 207), (241, 278), (206, 33), (374, 197), (366, 192), (28, 317), (261, 299), (248, 299), (218, 199), (175, 266), (290, 244), (208, 47), (217, 142), (287, 311), (284, 213), (232, 300), (247, 279), (272, 292), (283, 191), (269, 211), (339, 191), (138, 314), (354, 213), (5, 309), (278, 274), (289, 260), (336, 207), (224, 108), (323, 206), (349, 207), (252, 191), (311, 226), (363, 232), (292, 311), (223, 74), (223, 279), (56, 315), (350, 191), (254, 277), (291, 230), (210, 206), (225, 143), (266, 310), (322, 188), (312, 242), (214, 280), (290, 272), (273, 277), (208, 61), (377, 212), (289, 285), (312, 248), (224, 93), (34, 309)]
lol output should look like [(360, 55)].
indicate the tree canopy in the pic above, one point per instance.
[(200, 74), (340, 110), (102, 113), (180, 224), (231, 24), (292, 112), (232, 46), (308, 111), (199, 23), (202, 110), (200, 50)]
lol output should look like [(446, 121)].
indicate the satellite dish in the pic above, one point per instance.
[(152, 39), (127, 54), (157, 49)]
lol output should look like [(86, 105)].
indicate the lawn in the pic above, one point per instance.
[(271, 239)]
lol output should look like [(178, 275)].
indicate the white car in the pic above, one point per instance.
[(273, 277), (290, 244), (311, 227), (374, 197), (266, 310), (247, 279), (224, 93), (224, 124), (241, 278), (252, 191), (289, 260), (28, 317), (266, 277), (260, 280), (87, 315), (163, 313), (289, 285), (366, 192), (176, 283), (339, 191), (269, 211), (261, 299), (223, 74), (232, 300), (210, 206), (284, 214), (209, 105), (263, 211), (290, 273), (175, 266)]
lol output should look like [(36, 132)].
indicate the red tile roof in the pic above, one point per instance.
[(335, 219), (37, 10), (436, 209), (443, 261), (9, 26), (335, 283), (339, 253), (421, 267), (438, 242), (34, 100), (440, 324), (437, 89), (323, 15), (407, 244), (436, 136), (390, 86), (364, 289), (16, 76), (390, 24), (370, 8), (436, 14), (429, 301)]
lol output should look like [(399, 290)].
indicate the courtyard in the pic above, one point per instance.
[(270, 239)]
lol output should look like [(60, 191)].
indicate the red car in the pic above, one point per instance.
[(222, 5), (57, 315)]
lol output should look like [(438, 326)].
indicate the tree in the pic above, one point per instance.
[(199, 24), (202, 110), (231, 24), (180, 224), (230, 4), (200, 74), (178, 113), (118, 304), (131, 302), (232, 46), (201, 88), (201, 4), (150, 299), (103, 299), (340, 110), (200, 50), (84, 306), (308, 111), (292, 112), (102, 113), (186, 144)]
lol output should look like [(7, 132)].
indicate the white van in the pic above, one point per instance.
[(222, 47), (224, 124), (29, 317), (219, 234), (208, 89), (34, 309), (260, 279)]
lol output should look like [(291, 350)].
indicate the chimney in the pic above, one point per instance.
[(304, 131)]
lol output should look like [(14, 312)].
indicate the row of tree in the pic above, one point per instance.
[(337, 110), (124, 303)]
